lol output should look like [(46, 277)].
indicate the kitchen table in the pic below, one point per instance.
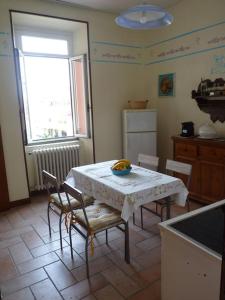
[(127, 193)]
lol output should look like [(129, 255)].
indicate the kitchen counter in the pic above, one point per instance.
[(206, 228), (192, 246)]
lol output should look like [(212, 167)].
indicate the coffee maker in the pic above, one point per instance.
[(187, 129)]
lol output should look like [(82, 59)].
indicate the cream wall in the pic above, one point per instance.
[(112, 85), (188, 16)]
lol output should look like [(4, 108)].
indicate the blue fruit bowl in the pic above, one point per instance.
[(121, 172)]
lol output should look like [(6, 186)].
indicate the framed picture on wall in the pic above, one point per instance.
[(166, 85)]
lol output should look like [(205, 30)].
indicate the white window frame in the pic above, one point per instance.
[(34, 32)]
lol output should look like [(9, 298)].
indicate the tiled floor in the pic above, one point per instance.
[(32, 265)]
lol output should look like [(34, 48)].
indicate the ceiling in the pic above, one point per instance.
[(23, 19), (116, 6)]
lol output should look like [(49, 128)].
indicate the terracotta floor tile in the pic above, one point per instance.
[(117, 257), (108, 293), (23, 281), (54, 218), (45, 290), (151, 257), (24, 294), (44, 249), (112, 235), (7, 268), (152, 292), (148, 276), (60, 275), (95, 266), (154, 229), (151, 274), (149, 219), (16, 220), (15, 232), (121, 282), (4, 243), (84, 288), (65, 257), (32, 239), (24, 230), (26, 212), (150, 243), (4, 252), (41, 227), (5, 225), (89, 297), (54, 236), (37, 263), (98, 252), (78, 243), (20, 253), (136, 237), (140, 281), (119, 245)]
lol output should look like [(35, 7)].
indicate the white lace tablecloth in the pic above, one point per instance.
[(126, 193)]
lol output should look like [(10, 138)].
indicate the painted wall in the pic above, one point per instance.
[(124, 65), (191, 54), (113, 84)]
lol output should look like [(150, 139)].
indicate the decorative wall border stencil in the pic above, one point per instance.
[(166, 85), (197, 41), (4, 44), (200, 40), (107, 52)]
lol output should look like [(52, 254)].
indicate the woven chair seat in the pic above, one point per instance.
[(100, 216), (54, 198)]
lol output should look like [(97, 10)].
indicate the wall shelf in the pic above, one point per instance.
[(214, 104)]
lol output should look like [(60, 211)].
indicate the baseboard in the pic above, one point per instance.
[(19, 202), (36, 193)]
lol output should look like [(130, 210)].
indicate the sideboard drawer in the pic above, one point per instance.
[(212, 153), (185, 149), (208, 167)]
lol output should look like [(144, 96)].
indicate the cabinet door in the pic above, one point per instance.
[(212, 181)]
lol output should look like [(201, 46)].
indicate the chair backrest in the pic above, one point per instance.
[(151, 161), (77, 194), (180, 168), (50, 180)]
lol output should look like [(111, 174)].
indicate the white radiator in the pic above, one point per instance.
[(57, 161)]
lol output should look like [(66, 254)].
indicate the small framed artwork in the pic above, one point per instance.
[(166, 85)]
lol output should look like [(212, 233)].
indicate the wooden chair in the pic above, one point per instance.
[(151, 162), (174, 168), (58, 203), (94, 219)]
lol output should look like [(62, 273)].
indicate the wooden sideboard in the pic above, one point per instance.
[(208, 166), (4, 195)]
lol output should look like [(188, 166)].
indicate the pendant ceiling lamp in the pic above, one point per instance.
[(144, 16)]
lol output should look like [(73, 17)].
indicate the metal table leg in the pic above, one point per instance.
[(168, 207)]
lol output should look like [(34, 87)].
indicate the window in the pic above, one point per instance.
[(55, 90)]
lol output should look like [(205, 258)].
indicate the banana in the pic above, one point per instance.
[(121, 164), (126, 161)]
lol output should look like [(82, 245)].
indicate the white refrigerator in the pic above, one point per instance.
[(139, 133)]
